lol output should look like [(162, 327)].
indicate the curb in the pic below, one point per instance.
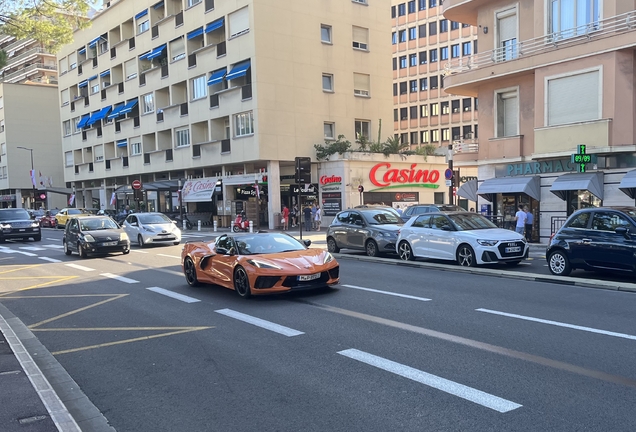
[(561, 280)]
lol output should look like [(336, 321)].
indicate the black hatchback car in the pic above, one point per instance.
[(16, 223), (601, 238), (94, 235)]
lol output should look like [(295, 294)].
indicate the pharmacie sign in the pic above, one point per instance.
[(329, 183), (385, 176)]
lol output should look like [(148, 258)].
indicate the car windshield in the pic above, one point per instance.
[(14, 214), (78, 211), (471, 221), (96, 224), (380, 217), (267, 244), (156, 218), (449, 208)]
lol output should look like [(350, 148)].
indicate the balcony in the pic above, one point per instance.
[(463, 75), (503, 148), (463, 11), (25, 72), (32, 53)]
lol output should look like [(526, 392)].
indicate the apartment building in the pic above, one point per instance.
[(557, 105), (28, 61), (217, 98)]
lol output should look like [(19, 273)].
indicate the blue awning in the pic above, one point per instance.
[(92, 78), (93, 43), (83, 121), (144, 56), (158, 5), (116, 111), (82, 51), (156, 52), (214, 25), (105, 73), (98, 115), (141, 14), (195, 33), (122, 143), (239, 70), (217, 76), (129, 107), (83, 84)]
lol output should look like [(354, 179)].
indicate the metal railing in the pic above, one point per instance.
[(12, 61), (550, 42), (556, 222), (26, 70)]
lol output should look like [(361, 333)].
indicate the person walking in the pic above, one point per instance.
[(307, 216), (529, 221), (285, 218), (313, 215), (399, 210), (520, 217), (318, 217), (293, 214)]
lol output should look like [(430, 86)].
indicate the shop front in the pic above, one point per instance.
[(244, 192)]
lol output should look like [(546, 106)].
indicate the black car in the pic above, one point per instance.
[(601, 238), (419, 209), (94, 235), (16, 223)]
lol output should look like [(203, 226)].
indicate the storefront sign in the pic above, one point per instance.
[(543, 167), (5, 198), (331, 203), (305, 189), (199, 190), (244, 192), (581, 158), (466, 179), (330, 183), (385, 177)]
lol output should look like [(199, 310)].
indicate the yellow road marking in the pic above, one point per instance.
[(64, 315), (118, 329), (60, 296), (41, 285), (20, 267)]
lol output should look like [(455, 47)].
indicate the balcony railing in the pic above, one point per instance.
[(12, 61), (26, 70), (469, 145), (601, 29)]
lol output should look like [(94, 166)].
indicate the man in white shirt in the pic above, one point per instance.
[(520, 217)]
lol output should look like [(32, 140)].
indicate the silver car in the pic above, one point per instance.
[(373, 230), (151, 228)]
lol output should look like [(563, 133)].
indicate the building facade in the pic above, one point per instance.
[(27, 62), (557, 105), (217, 96)]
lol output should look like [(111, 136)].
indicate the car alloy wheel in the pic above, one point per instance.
[(67, 251), (140, 241), (190, 272), (372, 248), (235, 228), (242, 283), (80, 250), (466, 256), (559, 264), (332, 246), (405, 251)]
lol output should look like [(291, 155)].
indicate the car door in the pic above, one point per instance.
[(356, 231), (441, 240), (61, 216), (417, 236), (131, 226), (605, 247), (72, 234), (222, 266), (339, 229)]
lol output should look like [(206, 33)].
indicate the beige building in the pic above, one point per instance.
[(551, 76), (217, 93), (27, 62)]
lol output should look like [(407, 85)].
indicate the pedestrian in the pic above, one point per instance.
[(529, 221), (399, 210), (313, 215), (285, 219), (294, 215), (318, 217), (520, 217), (472, 209), (307, 216)]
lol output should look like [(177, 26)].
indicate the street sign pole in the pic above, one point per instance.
[(303, 176)]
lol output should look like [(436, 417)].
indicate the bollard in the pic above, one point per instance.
[(199, 225), (251, 226), (215, 225), (183, 222)]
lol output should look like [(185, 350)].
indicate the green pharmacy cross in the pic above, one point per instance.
[(581, 158)]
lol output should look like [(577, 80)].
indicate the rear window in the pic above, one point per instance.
[(14, 214), (579, 221)]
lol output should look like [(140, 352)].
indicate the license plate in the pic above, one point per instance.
[(305, 278), (113, 243), (22, 229), (513, 249)]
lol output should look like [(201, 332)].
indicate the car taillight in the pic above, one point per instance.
[(552, 236), (399, 232)]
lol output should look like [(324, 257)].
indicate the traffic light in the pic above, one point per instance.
[(40, 196), (303, 170)]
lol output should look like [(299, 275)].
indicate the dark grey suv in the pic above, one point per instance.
[(16, 223), (373, 230)]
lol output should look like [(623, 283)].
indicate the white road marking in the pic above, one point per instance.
[(32, 248), (470, 394), (174, 295), (138, 251), (388, 293), (119, 278), (79, 267), (169, 256), (26, 253), (268, 325), (194, 236), (560, 324), (54, 246), (52, 239), (53, 260)]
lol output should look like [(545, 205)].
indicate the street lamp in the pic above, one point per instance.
[(32, 173)]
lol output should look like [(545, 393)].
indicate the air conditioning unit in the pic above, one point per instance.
[(361, 92)]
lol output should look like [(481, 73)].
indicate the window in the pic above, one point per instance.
[(445, 107), (423, 110), (434, 109), (455, 51), (569, 18), (135, 146), (432, 3), (130, 69), (394, 38), (360, 38), (68, 159), (432, 28), (412, 60), (467, 132), (143, 26), (466, 48), (396, 115), (403, 62), (98, 152), (329, 130), (147, 103), (325, 33), (413, 86), (402, 9), (582, 91), (177, 49), (413, 115), (66, 126), (3, 149), (424, 137), (412, 6), (393, 12), (64, 96), (362, 128), (394, 61), (506, 35), (454, 25), (423, 84), (433, 82), (239, 22), (475, 47), (443, 53), (95, 88), (422, 4), (579, 221), (327, 82), (507, 113), (395, 89), (403, 88), (445, 134), (476, 103), (404, 113), (402, 35), (199, 87), (404, 138), (608, 221), (422, 57), (455, 106), (1, 125), (72, 61), (413, 33), (443, 26), (361, 84), (476, 132), (182, 137), (467, 104), (435, 135), (432, 55), (244, 124), (193, 2), (421, 29), (413, 137), (74, 122), (63, 65)]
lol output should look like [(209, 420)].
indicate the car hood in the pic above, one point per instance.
[(493, 234), (102, 235), (168, 227), (386, 227), (26, 222), (304, 260)]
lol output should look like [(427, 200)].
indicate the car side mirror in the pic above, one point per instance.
[(307, 242), (622, 231), (134, 224), (446, 228), (174, 222)]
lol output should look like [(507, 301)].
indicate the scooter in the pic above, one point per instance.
[(241, 223)]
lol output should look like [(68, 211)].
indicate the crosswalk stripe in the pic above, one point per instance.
[(79, 267), (119, 278), (268, 325), (174, 295)]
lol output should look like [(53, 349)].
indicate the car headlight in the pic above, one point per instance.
[(5, 226), (123, 236), (89, 238), (487, 242), (149, 229), (387, 234), (262, 264), (328, 258), (35, 224)]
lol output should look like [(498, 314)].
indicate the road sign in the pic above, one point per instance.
[(136, 184), (448, 174), (449, 182), (360, 188)]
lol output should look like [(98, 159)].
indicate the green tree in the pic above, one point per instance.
[(3, 58), (393, 145), (340, 146)]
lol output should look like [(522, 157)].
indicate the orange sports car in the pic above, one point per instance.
[(258, 263)]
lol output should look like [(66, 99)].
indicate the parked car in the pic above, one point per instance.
[(94, 234), (373, 230), (465, 237), (419, 209), (16, 223), (48, 220), (107, 212), (602, 238), (64, 214), (151, 228), (258, 263)]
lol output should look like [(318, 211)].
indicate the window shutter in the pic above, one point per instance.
[(361, 83), (239, 21), (65, 96), (511, 113), (177, 47), (98, 151), (573, 98), (507, 22), (131, 67), (361, 34)]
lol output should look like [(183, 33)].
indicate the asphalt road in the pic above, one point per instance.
[(392, 348)]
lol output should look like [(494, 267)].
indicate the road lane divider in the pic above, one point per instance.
[(138, 251), (169, 256), (447, 386), (387, 293), (174, 295), (268, 325), (559, 324), (119, 278), (80, 267), (53, 260), (32, 248), (54, 246)]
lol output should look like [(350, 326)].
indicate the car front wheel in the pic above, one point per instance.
[(332, 246), (405, 251), (242, 283), (80, 251), (559, 264), (466, 256), (67, 251), (190, 272), (372, 248), (140, 241)]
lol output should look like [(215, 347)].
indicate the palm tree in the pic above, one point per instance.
[(393, 145)]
